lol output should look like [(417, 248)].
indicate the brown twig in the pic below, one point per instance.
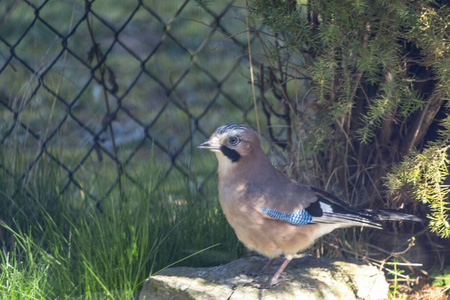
[(107, 120), (268, 109)]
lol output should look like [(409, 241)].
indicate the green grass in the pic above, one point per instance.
[(61, 246), (55, 243), (394, 292), (441, 278)]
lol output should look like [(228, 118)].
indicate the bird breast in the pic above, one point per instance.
[(241, 204), (234, 198)]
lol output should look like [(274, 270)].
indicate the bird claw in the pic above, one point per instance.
[(265, 284), (263, 272), (259, 273)]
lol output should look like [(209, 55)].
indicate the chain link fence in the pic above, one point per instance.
[(98, 89)]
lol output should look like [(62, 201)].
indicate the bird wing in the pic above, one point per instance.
[(300, 204), (330, 209)]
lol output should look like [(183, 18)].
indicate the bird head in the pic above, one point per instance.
[(232, 143)]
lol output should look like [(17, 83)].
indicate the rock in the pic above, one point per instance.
[(305, 278)]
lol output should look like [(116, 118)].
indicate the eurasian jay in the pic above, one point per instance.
[(271, 213)]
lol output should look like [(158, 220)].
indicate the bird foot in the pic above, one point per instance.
[(263, 271), (259, 273), (266, 284)]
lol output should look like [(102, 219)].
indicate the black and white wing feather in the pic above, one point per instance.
[(329, 209), (332, 210)]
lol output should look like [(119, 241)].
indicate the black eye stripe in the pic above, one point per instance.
[(233, 155)]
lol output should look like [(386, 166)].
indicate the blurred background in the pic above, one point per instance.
[(117, 84)]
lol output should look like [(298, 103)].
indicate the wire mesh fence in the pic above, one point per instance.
[(101, 88)]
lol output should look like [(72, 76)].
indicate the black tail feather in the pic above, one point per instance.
[(331, 209), (392, 215)]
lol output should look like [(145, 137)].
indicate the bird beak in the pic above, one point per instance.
[(208, 145)]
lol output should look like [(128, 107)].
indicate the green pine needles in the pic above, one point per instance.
[(377, 77), (424, 174)]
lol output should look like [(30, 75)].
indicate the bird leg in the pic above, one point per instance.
[(274, 279), (264, 270)]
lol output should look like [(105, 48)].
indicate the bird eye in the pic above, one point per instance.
[(234, 140)]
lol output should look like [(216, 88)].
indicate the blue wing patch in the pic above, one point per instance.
[(297, 218)]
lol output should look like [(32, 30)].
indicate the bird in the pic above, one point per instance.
[(271, 213)]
